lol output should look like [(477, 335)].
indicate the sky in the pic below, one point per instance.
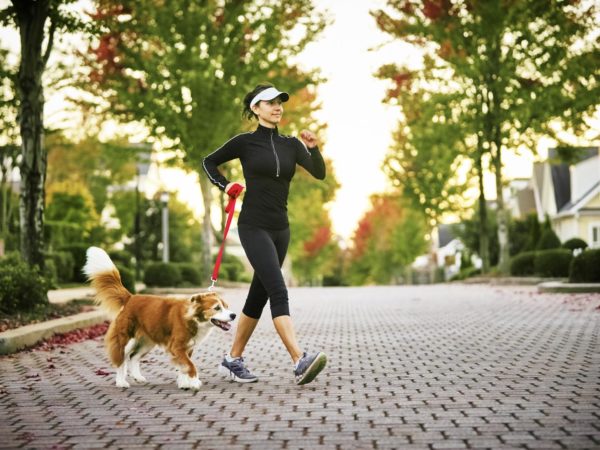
[(359, 124)]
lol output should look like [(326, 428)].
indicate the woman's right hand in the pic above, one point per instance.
[(234, 189)]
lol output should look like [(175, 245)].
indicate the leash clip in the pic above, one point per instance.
[(212, 286)]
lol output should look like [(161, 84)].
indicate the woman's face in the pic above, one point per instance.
[(269, 112)]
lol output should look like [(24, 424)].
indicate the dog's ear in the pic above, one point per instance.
[(203, 297)]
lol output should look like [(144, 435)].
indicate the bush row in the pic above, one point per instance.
[(161, 274), (22, 288), (559, 263)]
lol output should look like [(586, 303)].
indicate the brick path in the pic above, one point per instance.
[(435, 367)]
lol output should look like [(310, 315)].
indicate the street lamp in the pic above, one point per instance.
[(142, 168), (164, 199)]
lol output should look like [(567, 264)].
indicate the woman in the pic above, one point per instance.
[(269, 161)]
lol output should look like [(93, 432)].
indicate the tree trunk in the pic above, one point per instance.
[(501, 214), (484, 245), (207, 237), (31, 18)]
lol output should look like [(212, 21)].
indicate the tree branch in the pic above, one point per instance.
[(51, 33)]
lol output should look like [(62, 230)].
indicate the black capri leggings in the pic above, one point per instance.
[(266, 250)]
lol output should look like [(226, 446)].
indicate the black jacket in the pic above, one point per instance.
[(269, 162)]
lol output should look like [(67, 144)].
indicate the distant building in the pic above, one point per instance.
[(570, 196)]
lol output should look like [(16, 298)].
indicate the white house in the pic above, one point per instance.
[(570, 196)]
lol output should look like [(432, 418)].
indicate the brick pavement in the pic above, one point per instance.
[(436, 367)]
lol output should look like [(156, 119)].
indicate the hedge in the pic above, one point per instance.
[(127, 278), (64, 263), (190, 274), (548, 240), (522, 265), (574, 244), (161, 274), (22, 288), (585, 267), (553, 263), (78, 251)]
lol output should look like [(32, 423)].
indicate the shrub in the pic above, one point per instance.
[(22, 288), (232, 268), (190, 273), (50, 274), (574, 244), (553, 263), (64, 263), (127, 278), (162, 274), (78, 253), (585, 267), (521, 265), (122, 258), (548, 240)]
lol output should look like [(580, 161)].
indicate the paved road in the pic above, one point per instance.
[(435, 367)]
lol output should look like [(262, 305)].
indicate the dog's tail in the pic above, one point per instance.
[(111, 295)]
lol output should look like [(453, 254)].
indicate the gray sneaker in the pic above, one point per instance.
[(236, 371), (309, 366)]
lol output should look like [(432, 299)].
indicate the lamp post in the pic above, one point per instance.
[(164, 199), (142, 168)]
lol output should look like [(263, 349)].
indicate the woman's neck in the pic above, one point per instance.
[(267, 124)]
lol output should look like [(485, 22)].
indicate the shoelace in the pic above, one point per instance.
[(238, 364)]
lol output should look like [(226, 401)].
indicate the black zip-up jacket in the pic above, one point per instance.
[(269, 162)]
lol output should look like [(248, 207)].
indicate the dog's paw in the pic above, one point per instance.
[(187, 382), (139, 378), (122, 383)]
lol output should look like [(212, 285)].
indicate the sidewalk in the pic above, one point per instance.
[(419, 367)]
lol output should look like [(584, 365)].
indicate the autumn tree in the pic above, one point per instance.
[(521, 69), (182, 68), (387, 239)]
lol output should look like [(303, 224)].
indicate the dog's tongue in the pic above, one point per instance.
[(226, 325)]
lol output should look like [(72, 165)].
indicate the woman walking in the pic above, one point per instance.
[(269, 162)]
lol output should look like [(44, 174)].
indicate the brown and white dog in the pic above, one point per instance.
[(140, 322)]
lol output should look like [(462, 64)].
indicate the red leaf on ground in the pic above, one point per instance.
[(102, 373)]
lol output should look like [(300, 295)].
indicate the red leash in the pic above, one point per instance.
[(234, 192)]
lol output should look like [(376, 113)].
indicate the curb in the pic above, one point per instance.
[(558, 287), (22, 337)]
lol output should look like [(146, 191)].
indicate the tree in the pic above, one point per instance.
[(38, 22), (181, 68), (522, 68), (387, 239)]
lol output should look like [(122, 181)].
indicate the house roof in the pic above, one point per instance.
[(446, 234), (580, 202), (561, 180)]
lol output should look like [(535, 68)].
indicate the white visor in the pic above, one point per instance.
[(269, 94)]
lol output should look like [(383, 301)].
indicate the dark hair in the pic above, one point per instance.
[(247, 112)]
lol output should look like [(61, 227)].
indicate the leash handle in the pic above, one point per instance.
[(230, 209)]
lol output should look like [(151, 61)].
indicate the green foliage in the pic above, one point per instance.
[(64, 264), (190, 274), (162, 275), (468, 231), (465, 273), (548, 240), (127, 277), (22, 288), (184, 230), (232, 268), (522, 265), (524, 234), (575, 243), (122, 258), (78, 252), (553, 262), (585, 267), (508, 72)]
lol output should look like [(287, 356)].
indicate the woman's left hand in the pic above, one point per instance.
[(309, 138)]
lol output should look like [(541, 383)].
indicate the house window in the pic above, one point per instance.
[(595, 235)]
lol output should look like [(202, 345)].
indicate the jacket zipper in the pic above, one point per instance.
[(275, 153)]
